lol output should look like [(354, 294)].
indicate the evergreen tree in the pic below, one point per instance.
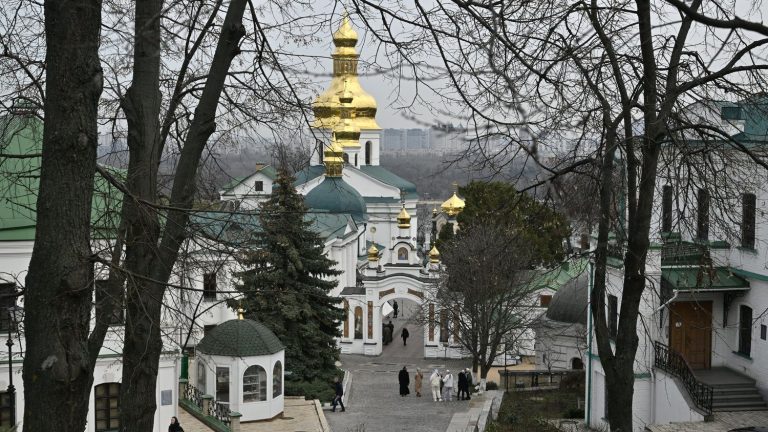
[(286, 284)]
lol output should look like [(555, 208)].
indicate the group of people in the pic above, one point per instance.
[(387, 330), (441, 384)]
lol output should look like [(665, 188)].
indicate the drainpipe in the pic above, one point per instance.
[(588, 410)]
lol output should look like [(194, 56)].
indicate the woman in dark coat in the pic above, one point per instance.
[(175, 426), (404, 380)]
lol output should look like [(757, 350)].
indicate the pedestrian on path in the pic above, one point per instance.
[(417, 382), (447, 386), (435, 381), (394, 306), (175, 426), (337, 399), (462, 385), (468, 375), (404, 334), (405, 381)]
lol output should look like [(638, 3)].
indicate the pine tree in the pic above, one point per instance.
[(287, 282)]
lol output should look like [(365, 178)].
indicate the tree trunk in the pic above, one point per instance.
[(60, 356), (149, 254)]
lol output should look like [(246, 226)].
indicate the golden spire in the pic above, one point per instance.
[(373, 253), (434, 255), (362, 108), (404, 219), (240, 312), (453, 205)]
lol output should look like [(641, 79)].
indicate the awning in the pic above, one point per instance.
[(703, 279)]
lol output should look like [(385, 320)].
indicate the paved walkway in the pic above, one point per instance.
[(373, 402), (723, 422)]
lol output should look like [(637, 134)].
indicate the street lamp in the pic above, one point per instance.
[(14, 316)]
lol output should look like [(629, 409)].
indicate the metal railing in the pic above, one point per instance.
[(194, 395), (220, 412), (673, 362)]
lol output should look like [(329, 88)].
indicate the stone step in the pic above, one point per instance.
[(749, 408), (736, 390), (748, 397), (730, 406)]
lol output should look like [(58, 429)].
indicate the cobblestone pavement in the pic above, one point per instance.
[(373, 402), (723, 422)]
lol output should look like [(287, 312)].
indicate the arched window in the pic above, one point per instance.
[(320, 151), (255, 384), (346, 319), (368, 149), (745, 330), (346, 158), (107, 407), (358, 322), (355, 159), (402, 254), (277, 380), (200, 376), (577, 364)]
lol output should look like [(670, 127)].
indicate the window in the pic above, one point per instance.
[(201, 376), (358, 322), (748, 221), (207, 328), (584, 242), (368, 149), (346, 319), (666, 209), (258, 186), (118, 312), (320, 151), (355, 159), (444, 330), (702, 216), (763, 331), (745, 330), (577, 364), (222, 384), (107, 407), (254, 384), (544, 300), (209, 286), (402, 254), (346, 158), (7, 300), (5, 410), (277, 380), (613, 316)]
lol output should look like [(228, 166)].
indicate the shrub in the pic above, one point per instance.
[(574, 413), (491, 385)]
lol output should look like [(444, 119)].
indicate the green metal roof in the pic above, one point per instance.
[(556, 278), (385, 176), (22, 138), (267, 170), (703, 279), (334, 195), (308, 173), (240, 338)]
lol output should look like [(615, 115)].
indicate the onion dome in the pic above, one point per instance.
[(334, 195), (434, 255), (362, 106), (240, 338), (373, 253), (403, 219), (453, 205)]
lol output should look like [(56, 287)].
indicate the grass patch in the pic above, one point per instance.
[(529, 410)]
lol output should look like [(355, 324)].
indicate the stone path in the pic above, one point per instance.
[(723, 422), (373, 402)]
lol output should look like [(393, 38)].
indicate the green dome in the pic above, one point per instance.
[(334, 195), (240, 338)]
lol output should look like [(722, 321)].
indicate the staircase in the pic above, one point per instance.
[(732, 391)]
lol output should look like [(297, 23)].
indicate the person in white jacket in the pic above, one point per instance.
[(434, 383), (447, 386)]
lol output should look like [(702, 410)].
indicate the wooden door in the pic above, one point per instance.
[(690, 332)]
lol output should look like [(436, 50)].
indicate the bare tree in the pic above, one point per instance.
[(612, 82)]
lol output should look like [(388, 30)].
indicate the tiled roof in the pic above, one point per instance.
[(240, 338)]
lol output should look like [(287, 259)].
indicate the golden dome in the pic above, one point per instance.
[(345, 85), (434, 255), (453, 205), (403, 219), (373, 253)]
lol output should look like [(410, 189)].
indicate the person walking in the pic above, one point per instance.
[(435, 382), (405, 381), (175, 426), (468, 375), (404, 334), (447, 386), (337, 399), (462, 384), (394, 306), (417, 378)]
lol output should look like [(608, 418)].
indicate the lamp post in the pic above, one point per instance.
[(13, 319)]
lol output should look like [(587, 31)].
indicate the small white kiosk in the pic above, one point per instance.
[(241, 364)]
